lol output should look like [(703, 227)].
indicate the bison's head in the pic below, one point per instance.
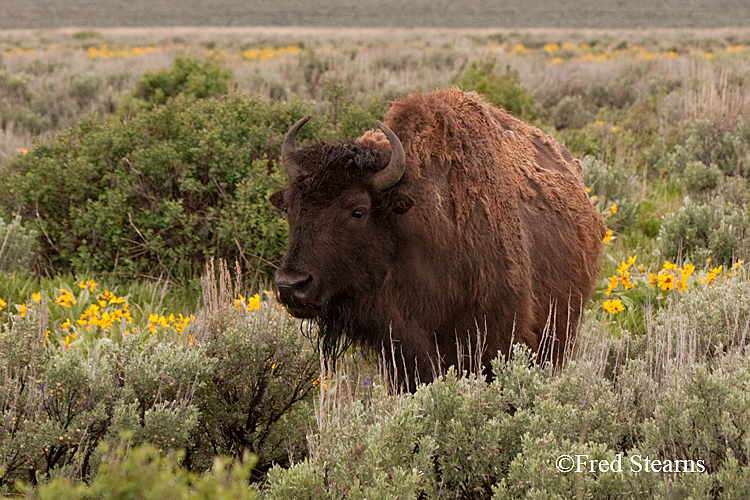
[(342, 204)]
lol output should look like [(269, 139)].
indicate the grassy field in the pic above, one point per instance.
[(603, 14), (104, 373)]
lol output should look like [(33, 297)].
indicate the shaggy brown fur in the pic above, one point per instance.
[(490, 229)]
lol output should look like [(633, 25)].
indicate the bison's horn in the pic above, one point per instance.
[(287, 149), (391, 174)]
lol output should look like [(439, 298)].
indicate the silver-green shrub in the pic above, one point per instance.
[(17, 245)]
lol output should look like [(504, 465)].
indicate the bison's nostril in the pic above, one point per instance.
[(295, 280), (292, 285)]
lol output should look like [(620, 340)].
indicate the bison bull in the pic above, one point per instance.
[(458, 218)]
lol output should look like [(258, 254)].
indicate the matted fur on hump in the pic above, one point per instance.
[(493, 159)]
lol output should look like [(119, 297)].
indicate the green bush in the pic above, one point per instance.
[(715, 230), (501, 89), (717, 145), (465, 438), (700, 179), (146, 474), (156, 195), (612, 185), (571, 112), (239, 378), (17, 245), (188, 76)]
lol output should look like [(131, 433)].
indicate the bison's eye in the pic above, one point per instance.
[(359, 213)]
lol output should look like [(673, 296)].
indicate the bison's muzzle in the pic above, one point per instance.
[(294, 292)]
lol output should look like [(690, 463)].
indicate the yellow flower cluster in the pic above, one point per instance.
[(104, 311), (671, 277), (715, 272), (613, 306), (251, 303), (712, 274), (622, 277), (268, 53), (600, 53), (19, 51), (90, 284), (66, 299), (107, 52), (176, 324), (318, 380)]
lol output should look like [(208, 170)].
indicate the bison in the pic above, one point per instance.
[(454, 218)]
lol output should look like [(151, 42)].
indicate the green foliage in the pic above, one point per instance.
[(188, 76), (256, 396), (235, 380), (15, 97), (17, 245), (612, 185), (465, 438), (501, 89), (716, 144), (144, 473), (571, 112), (716, 313), (160, 193), (699, 178), (698, 231)]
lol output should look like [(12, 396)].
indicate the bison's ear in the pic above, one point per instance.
[(277, 200), (401, 203)]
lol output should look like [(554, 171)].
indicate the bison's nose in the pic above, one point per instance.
[(292, 286)]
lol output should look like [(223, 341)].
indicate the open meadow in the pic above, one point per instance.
[(138, 342)]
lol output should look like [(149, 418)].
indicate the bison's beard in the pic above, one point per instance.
[(332, 328)]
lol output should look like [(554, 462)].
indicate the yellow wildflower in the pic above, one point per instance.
[(668, 266), (2, 304), (712, 274), (625, 279), (613, 306), (35, 296), (253, 303), (614, 208), (666, 281), (66, 325), (687, 270), (608, 236), (736, 266), (66, 299), (652, 280), (239, 302), (22, 310), (624, 266), (613, 280)]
